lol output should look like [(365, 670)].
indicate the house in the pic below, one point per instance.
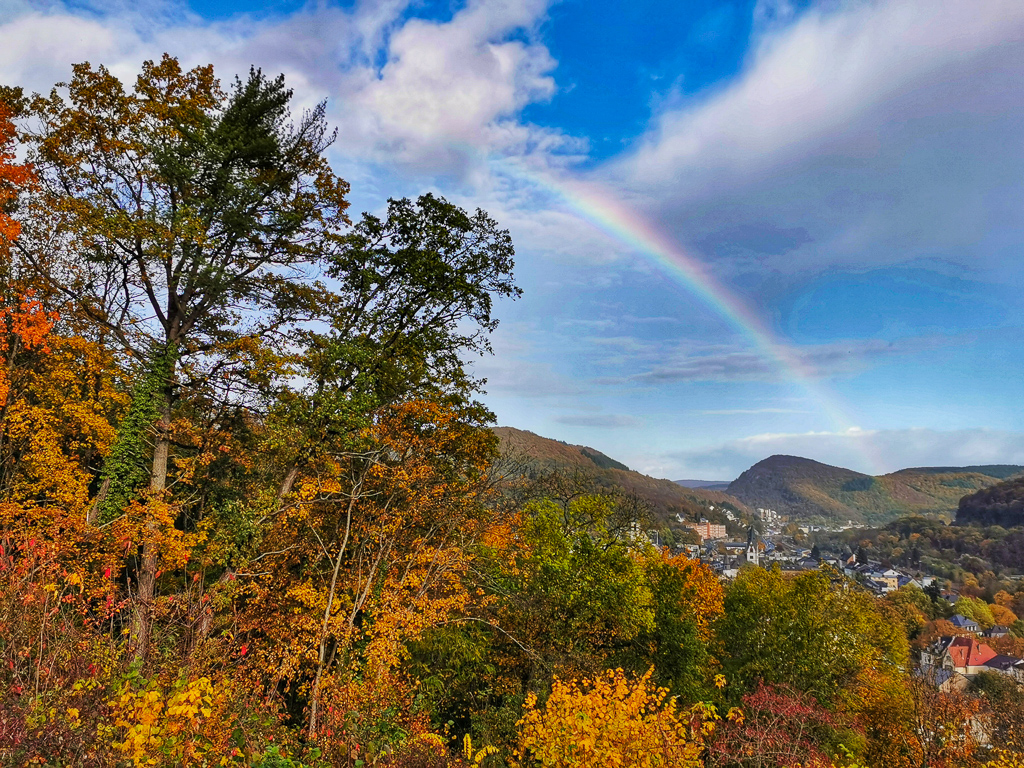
[(909, 581), (932, 655), (962, 622), (997, 630), (967, 656), (1007, 665), (945, 680)]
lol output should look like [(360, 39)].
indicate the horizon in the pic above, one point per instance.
[(742, 229), (951, 467)]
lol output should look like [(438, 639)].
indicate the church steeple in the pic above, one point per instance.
[(753, 550)]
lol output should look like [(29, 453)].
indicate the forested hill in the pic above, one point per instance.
[(666, 498), (1001, 504), (803, 488)]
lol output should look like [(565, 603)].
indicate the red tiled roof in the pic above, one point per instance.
[(968, 652)]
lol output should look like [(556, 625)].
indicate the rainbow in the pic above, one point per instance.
[(602, 210)]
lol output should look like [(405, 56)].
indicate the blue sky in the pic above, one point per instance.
[(851, 174)]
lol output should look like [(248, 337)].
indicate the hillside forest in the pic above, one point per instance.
[(252, 514)]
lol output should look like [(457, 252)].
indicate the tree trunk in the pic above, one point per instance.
[(314, 699), (94, 509), (286, 486), (141, 623)]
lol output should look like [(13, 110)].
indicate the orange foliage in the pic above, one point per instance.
[(1003, 615), (13, 176), (372, 551), (703, 596)]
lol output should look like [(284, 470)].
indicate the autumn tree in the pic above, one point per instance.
[(183, 221), (561, 589), (1003, 709), (371, 552), (946, 724)]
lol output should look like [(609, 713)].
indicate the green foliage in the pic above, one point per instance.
[(681, 658), (976, 609), (126, 468), (805, 632), (581, 583), (944, 550)]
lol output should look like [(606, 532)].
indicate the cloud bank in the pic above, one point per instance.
[(871, 133)]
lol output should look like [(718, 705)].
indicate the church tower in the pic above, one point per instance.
[(753, 551)]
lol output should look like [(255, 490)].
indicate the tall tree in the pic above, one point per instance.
[(412, 297), (183, 221)]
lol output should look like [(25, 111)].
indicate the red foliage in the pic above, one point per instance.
[(779, 728)]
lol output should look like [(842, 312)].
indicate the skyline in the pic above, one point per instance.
[(741, 228)]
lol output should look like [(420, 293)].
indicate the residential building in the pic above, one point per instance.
[(706, 529), (967, 656), (962, 622)]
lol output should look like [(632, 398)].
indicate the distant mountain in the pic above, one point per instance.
[(666, 498), (711, 485), (807, 489), (1001, 504)]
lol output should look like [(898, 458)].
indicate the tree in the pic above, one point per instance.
[(1003, 709), (184, 223), (944, 723), (977, 609), (372, 553), (807, 633), (412, 296), (577, 594), (778, 727), (687, 597)]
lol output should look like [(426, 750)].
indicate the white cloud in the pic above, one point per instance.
[(446, 96), (879, 132), (458, 83)]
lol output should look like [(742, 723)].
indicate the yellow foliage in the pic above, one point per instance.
[(166, 728), (1005, 759), (609, 721)]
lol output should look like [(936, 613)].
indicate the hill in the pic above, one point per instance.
[(809, 490), (713, 485), (665, 497), (1001, 504)]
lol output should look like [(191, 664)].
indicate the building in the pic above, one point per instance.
[(998, 630), (706, 529), (962, 622), (967, 656), (944, 679), (767, 515), (753, 547)]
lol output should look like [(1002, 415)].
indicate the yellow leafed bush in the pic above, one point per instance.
[(610, 721), (165, 727)]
